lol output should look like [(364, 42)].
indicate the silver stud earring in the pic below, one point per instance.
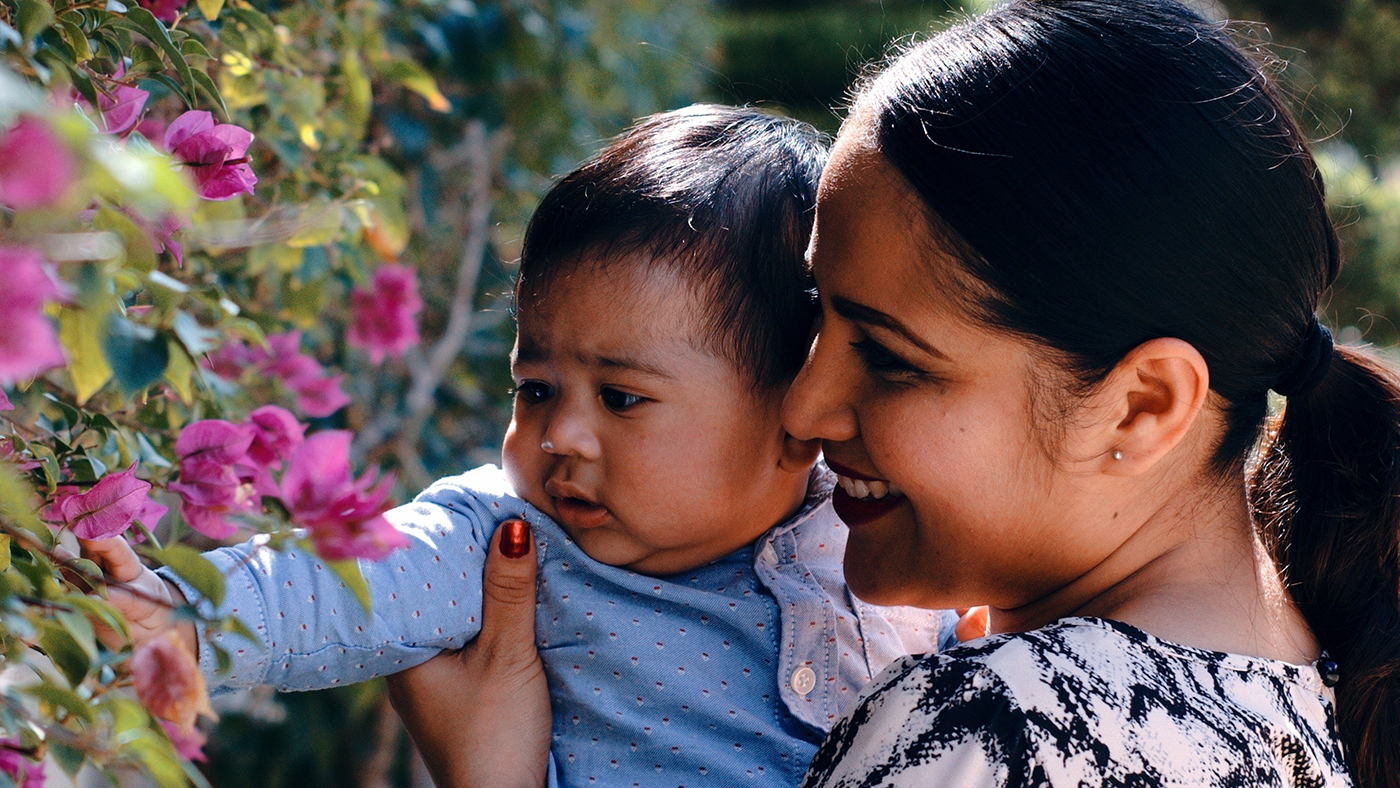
[(1117, 455), (547, 446)]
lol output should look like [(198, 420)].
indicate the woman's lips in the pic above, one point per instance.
[(860, 498)]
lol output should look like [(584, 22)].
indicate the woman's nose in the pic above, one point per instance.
[(817, 403), (569, 433)]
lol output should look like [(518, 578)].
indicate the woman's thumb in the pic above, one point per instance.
[(508, 589)]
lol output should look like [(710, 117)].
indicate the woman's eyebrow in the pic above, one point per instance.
[(861, 313)]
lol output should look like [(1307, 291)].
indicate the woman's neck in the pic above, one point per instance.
[(1193, 574)]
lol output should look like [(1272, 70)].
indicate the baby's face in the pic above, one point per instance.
[(652, 453)]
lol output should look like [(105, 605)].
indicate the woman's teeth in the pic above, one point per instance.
[(861, 488)]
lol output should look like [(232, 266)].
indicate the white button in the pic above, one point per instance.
[(769, 555), (804, 679)]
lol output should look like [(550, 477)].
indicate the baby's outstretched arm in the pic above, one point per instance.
[(145, 599)]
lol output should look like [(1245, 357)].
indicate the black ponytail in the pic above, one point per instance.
[(1112, 171), (1326, 497)]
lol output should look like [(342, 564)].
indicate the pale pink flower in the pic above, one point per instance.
[(216, 154), (169, 683), (234, 357), (275, 433), (215, 478), (109, 508), (121, 107), (36, 168), (189, 746), (385, 319), (22, 771), (5, 403), (320, 397), (317, 395), (29, 344), (343, 515)]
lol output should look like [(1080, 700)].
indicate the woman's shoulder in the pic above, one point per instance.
[(1084, 699)]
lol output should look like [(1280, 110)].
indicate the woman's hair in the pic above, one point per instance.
[(724, 196), (1111, 171)]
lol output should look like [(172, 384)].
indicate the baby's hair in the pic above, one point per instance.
[(723, 196)]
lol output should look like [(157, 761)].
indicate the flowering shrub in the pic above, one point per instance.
[(221, 223)]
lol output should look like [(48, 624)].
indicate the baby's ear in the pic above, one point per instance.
[(799, 455)]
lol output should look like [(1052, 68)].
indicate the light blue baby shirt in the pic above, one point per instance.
[(726, 675)]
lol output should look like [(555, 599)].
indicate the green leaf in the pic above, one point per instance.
[(415, 78), (349, 572), (147, 25), (81, 332), (77, 626), (65, 652), (17, 504), (137, 354), (195, 569), (158, 757), (4, 552), (210, 90), (76, 39), (179, 373), (86, 468), (69, 759), (149, 454), (34, 17), (210, 8), (145, 59), (140, 254), (63, 698), (50, 464)]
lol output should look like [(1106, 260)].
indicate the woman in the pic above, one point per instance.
[(1064, 252)]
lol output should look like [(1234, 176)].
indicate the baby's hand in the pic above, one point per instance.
[(144, 598)]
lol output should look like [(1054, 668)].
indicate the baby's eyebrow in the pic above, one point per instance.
[(628, 363)]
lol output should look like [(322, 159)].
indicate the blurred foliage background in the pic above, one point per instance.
[(528, 89)]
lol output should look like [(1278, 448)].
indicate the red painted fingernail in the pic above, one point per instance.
[(515, 538)]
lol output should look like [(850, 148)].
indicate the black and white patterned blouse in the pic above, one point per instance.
[(1086, 702)]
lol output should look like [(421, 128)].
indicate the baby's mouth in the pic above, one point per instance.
[(575, 510)]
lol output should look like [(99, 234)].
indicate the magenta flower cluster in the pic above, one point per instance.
[(226, 468), (28, 345), (317, 394), (386, 314), (216, 154), (36, 168)]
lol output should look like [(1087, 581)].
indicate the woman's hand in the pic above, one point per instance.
[(480, 716)]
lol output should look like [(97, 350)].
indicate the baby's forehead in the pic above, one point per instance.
[(626, 313)]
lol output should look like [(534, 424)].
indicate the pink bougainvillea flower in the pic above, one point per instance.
[(216, 154), (23, 772), (190, 745), (169, 683), (385, 315), (5, 403), (36, 168), (215, 480), (234, 357), (23, 461), (316, 394), (166, 11), (320, 397), (29, 344), (109, 508), (275, 433), (344, 515), (121, 109)]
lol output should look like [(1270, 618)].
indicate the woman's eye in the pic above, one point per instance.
[(619, 400), (881, 361), (533, 391)]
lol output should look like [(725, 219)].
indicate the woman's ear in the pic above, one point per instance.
[(1150, 400), (798, 455)]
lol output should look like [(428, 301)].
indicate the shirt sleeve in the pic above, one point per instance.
[(313, 632), (929, 721)]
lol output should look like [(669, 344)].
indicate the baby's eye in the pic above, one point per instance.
[(619, 400), (532, 392)]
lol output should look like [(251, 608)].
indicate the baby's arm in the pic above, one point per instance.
[(312, 631)]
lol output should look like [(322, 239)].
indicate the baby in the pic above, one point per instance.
[(693, 619)]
